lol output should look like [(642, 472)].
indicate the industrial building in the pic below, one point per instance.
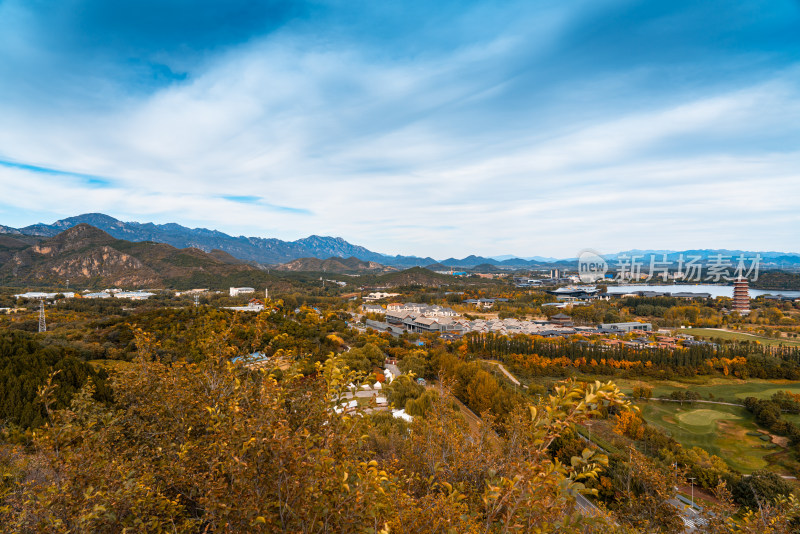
[(236, 291), (625, 328)]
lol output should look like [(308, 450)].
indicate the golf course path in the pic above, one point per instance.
[(698, 400), (505, 372)]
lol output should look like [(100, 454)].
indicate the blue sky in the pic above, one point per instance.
[(430, 128)]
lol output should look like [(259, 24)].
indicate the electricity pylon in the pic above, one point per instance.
[(42, 323)]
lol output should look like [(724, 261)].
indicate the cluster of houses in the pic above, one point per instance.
[(514, 326), (105, 294), (423, 318), (677, 294), (559, 325)]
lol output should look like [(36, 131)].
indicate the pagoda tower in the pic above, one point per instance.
[(741, 296)]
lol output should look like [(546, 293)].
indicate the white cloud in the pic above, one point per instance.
[(403, 156)]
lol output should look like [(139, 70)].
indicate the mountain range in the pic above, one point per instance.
[(271, 251), (261, 250), (89, 257), (83, 256)]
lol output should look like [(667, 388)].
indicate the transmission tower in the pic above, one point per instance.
[(42, 323), (196, 300)]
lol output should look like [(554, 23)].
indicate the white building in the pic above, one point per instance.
[(251, 307), (190, 292), (372, 308), (134, 295), (422, 309), (378, 296), (101, 295), (236, 291), (46, 296)]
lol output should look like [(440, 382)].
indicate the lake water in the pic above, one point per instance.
[(715, 291)]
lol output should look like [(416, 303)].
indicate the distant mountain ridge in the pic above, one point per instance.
[(544, 259), (255, 249), (275, 251)]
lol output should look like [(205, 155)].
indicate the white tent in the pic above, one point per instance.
[(401, 414)]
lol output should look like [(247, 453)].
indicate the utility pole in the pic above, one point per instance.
[(42, 323), (691, 479)]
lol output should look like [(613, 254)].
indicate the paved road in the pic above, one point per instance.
[(587, 506), (394, 369), (505, 372)]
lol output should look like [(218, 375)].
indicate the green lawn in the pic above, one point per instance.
[(726, 389), (720, 430), (709, 333), (704, 417), (792, 418)]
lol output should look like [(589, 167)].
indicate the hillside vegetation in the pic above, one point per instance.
[(332, 265), (90, 257)]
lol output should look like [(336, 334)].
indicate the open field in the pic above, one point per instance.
[(727, 431), (709, 333), (728, 389)]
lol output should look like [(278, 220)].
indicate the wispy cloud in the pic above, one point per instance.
[(258, 201), (84, 179)]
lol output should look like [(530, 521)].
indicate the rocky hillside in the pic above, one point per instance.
[(10, 244), (87, 256)]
